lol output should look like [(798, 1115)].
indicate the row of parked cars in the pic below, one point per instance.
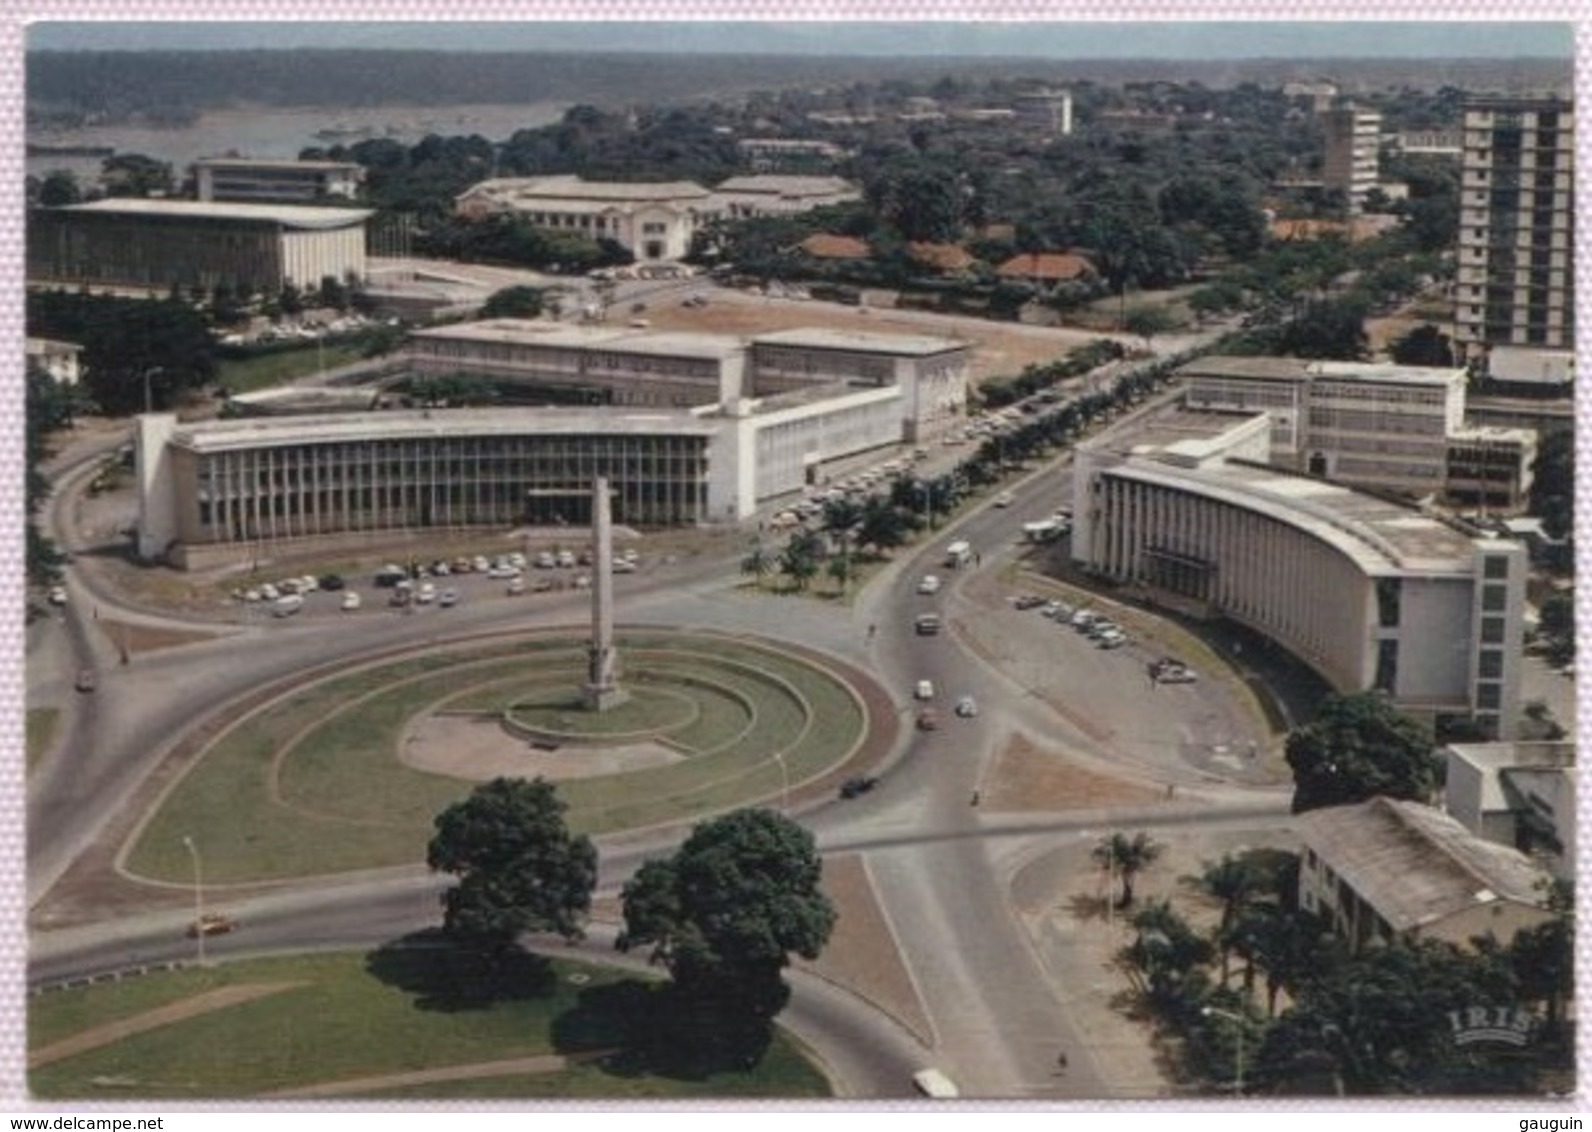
[(1096, 626)]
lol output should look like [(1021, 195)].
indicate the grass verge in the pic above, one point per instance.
[(397, 1010), (42, 725), (313, 784)]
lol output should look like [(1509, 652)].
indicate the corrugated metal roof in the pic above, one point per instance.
[(1416, 865)]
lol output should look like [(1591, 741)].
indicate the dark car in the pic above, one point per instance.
[(1027, 601), (86, 680), (332, 582), (856, 787)]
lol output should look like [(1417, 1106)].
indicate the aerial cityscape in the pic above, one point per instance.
[(667, 563)]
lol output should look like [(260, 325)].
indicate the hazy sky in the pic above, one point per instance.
[(1052, 40)]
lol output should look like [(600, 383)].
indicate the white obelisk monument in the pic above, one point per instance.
[(602, 689)]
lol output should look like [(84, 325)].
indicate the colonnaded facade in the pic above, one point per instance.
[(212, 489), (1371, 592), (156, 244)]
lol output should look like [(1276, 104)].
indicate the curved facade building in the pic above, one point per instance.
[(1370, 592)]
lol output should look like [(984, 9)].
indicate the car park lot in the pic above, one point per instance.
[(419, 582)]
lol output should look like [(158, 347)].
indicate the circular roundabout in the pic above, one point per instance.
[(346, 771)]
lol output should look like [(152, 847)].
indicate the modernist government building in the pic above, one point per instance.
[(1187, 509), (688, 428)]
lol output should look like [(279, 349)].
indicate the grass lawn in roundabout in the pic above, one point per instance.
[(314, 782), (343, 1024)]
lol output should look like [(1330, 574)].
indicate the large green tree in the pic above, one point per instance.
[(727, 911), (1356, 748), (1553, 483), (513, 302), (49, 407), (129, 346), (519, 867)]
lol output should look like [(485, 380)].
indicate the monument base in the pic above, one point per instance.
[(602, 697)]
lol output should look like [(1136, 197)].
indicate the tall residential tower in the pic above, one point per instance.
[(1515, 301)]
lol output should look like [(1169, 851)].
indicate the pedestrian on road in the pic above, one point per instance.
[(976, 796), (872, 630), (1061, 1062)]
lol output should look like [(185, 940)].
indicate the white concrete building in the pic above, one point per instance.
[(1352, 161), (696, 434), (1515, 277), (651, 221), (294, 182), (1372, 425), (1517, 794), (776, 194), (58, 359), (157, 244), (1385, 870), (1181, 508)]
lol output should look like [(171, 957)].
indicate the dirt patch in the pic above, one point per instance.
[(1026, 777), (137, 639), (219, 999), (512, 1067), (999, 349), (862, 955), (476, 748)]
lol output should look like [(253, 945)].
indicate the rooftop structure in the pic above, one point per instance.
[(254, 179)]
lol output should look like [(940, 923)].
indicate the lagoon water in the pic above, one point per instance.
[(283, 133)]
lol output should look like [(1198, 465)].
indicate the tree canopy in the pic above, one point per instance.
[(519, 868), (1356, 748), (729, 908), (513, 302)]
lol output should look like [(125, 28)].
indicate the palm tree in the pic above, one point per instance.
[(1125, 857), (757, 562), (800, 558), (1233, 883)]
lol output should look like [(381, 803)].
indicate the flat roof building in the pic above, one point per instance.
[(1373, 425), (158, 244), (1370, 592), (1517, 794), (695, 433), (58, 359), (1352, 161), (1515, 276), (256, 179)]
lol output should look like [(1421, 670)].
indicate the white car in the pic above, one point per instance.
[(1005, 499), (57, 595), (426, 593), (967, 707), (566, 559), (516, 586), (924, 690), (545, 560), (929, 585), (350, 602)]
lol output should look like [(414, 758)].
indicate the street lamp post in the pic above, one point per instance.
[(784, 783), (1238, 1056), (198, 898)]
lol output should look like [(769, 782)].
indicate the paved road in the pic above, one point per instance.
[(997, 1014)]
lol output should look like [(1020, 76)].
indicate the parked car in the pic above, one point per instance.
[(858, 786), (967, 707), (448, 597), (924, 690), (350, 602), (86, 680), (928, 720), (541, 585), (565, 559), (287, 605), (57, 595), (545, 560), (426, 594), (332, 582), (1005, 499), (927, 625), (1028, 601), (517, 586)]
